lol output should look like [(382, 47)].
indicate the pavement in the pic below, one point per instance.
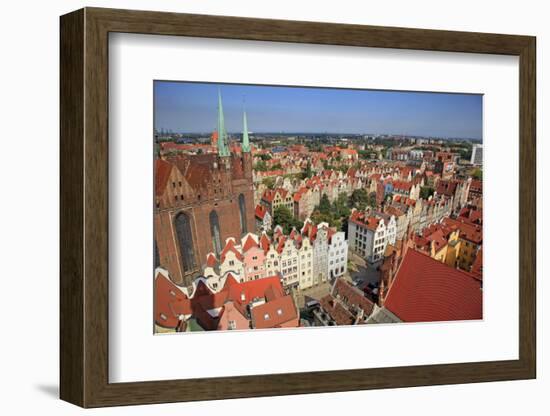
[(315, 292), (361, 271)]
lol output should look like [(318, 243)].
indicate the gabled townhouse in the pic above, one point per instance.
[(337, 260), (320, 253), (231, 259), (369, 234), (274, 198), (305, 263), (263, 219), (289, 255), (253, 258)]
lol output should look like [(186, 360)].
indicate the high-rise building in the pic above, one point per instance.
[(200, 201), (477, 155)]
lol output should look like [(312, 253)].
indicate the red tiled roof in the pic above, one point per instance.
[(265, 242), (274, 313), (281, 244), (476, 185), (260, 211), (447, 188), (170, 302), (352, 296), (404, 200), (230, 246), (360, 218), (396, 212), (298, 195), (211, 260), (426, 290), (470, 232), (269, 194), (249, 243), (402, 185), (477, 267), (337, 311), (162, 173), (470, 215)]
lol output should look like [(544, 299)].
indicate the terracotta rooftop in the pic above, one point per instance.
[(249, 243), (211, 260), (360, 218), (230, 247), (260, 211), (426, 290), (468, 231), (274, 313), (162, 173)]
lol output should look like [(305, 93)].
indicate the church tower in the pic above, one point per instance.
[(223, 146), (245, 147)]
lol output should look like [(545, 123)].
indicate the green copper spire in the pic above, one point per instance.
[(223, 148), (246, 144)]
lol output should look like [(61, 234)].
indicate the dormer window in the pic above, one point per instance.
[(266, 317)]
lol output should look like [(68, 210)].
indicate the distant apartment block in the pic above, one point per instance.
[(477, 155)]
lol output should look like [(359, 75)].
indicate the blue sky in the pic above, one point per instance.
[(191, 107)]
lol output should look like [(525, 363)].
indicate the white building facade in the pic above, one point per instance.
[(337, 260)]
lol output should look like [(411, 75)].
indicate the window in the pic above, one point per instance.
[(242, 212), (266, 317), (185, 240), (215, 232), (279, 312), (163, 317), (156, 255), (231, 324)]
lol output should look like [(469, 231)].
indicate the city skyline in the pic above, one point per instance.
[(192, 108)]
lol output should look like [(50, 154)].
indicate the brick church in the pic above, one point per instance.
[(200, 201)]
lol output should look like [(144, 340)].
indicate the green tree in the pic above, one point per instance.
[(307, 172), (283, 217), (340, 206), (426, 192), (265, 157), (261, 166), (324, 205), (359, 199), (269, 182), (477, 174), (276, 166), (372, 200)]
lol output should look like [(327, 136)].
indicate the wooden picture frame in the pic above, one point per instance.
[(84, 207)]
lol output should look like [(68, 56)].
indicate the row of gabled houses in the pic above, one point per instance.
[(234, 305), (386, 181), (305, 258)]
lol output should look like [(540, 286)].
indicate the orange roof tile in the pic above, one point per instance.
[(426, 290)]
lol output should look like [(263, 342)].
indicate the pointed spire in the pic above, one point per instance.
[(246, 144), (223, 149)]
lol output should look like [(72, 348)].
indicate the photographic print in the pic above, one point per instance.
[(299, 207)]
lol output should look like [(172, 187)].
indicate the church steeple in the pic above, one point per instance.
[(246, 144), (223, 148)]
